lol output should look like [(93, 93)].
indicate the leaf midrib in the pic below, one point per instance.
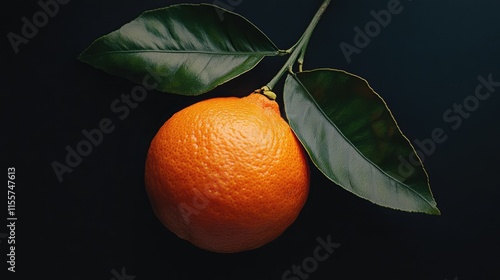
[(188, 52)]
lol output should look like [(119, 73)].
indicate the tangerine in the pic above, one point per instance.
[(227, 174)]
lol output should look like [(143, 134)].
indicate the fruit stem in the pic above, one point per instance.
[(299, 49), (267, 92)]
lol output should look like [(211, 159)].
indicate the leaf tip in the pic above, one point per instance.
[(435, 211), (81, 57)]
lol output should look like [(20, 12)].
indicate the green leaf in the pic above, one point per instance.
[(189, 49), (352, 137)]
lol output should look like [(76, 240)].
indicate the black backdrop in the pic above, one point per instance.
[(97, 222)]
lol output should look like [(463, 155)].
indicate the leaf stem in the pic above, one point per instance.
[(299, 49)]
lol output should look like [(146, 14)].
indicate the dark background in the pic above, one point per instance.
[(98, 220)]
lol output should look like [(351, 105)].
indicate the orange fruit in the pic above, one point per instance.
[(227, 174)]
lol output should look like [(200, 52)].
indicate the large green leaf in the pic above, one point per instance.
[(352, 137), (189, 49)]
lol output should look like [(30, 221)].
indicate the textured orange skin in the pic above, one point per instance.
[(227, 174)]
